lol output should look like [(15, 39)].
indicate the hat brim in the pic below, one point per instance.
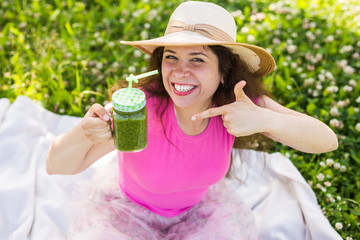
[(258, 60)]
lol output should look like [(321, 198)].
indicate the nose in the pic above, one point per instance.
[(181, 69)]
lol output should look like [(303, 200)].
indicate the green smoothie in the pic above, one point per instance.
[(130, 116), (130, 130), (129, 119)]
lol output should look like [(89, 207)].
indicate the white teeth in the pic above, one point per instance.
[(183, 88)]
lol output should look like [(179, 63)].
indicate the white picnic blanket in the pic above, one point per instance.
[(33, 204)]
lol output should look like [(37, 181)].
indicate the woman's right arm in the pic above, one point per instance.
[(76, 150)]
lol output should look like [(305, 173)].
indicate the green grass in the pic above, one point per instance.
[(66, 55)]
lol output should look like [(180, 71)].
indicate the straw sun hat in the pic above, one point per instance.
[(202, 23)]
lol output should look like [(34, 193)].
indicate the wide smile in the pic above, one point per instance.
[(183, 89)]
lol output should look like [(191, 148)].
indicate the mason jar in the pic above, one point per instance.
[(129, 119)]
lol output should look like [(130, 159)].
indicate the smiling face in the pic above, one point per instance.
[(190, 76)]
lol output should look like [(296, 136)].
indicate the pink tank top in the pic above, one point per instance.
[(173, 174)]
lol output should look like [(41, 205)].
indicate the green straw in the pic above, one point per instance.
[(133, 78)]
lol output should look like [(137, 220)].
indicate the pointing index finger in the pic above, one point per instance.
[(211, 112)]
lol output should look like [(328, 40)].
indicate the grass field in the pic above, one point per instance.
[(65, 55)]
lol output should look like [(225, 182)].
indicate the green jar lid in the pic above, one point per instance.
[(128, 99)]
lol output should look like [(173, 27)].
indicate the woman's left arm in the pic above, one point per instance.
[(297, 130)]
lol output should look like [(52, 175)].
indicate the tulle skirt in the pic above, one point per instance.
[(100, 211)]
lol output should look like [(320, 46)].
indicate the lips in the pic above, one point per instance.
[(183, 89)]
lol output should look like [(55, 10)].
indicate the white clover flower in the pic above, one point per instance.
[(338, 198), (291, 49), (348, 88), (276, 41), (347, 48), (327, 184), (320, 177), (338, 31), (237, 13), (329, 76), (99, 65), (357, 127), (322, 164), (260, 16), (310, 67), (315, 93), (342, 63), (343, 103), (356, 55), (329, 38), (334, 111), (316, 46), (318, 86), (357, 100), (337, 165), (137, 53), (293, 65), (352, 83), (131, 69), (147, 25), (310, 35), (100, 40), (343, 168), (349, 238), (111, 44), (116, 65), (144, 34), (329, 162), (250, 38), (321, 77), (332, 89), (308, 56), (294, 35), (336, 123), (318, 57), (245, 30), (338, 225), (289, 41), (349, 70)]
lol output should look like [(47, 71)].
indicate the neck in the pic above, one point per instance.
[(189, 127)]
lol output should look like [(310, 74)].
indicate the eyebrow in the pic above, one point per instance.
[(192, 53)]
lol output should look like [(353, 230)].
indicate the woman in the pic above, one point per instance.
[(209, 92)]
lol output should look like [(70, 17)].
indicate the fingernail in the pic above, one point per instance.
[(193, 118), (106, 117)]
